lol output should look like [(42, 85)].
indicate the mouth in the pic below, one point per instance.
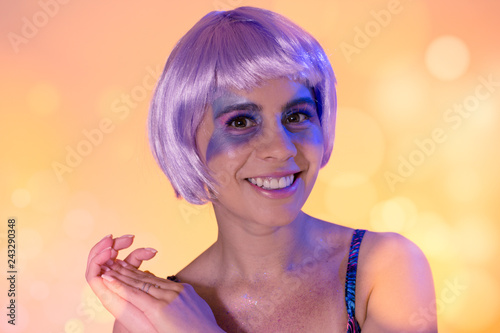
[(273, 183)]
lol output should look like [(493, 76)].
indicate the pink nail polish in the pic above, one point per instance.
[(123, 263), (109, 262), (151, 249), (108, 277), (108, 236), (105, 268), (127, 236)]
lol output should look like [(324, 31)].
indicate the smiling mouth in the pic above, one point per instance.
[(273, 183)]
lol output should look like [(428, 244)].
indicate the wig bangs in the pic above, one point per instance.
[(248, 55)]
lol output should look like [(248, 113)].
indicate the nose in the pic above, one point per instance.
[(276, 143)]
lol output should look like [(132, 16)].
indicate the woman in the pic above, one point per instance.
[(243, 117)]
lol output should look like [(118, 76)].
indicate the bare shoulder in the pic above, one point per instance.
[(390, 256), (395, 283), (199, 271), (391, 248)]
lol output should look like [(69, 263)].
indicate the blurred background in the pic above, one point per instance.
[(416, 151)]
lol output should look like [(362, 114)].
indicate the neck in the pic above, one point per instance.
[(252, 251)]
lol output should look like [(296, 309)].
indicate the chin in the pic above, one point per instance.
[(277, 217)]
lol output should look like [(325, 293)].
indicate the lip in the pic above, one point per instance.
[(278, 193)]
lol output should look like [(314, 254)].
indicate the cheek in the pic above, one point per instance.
[(311, 140), (222, 143), (226, 154)]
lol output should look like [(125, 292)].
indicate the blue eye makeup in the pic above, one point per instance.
[(231, 131), (297, 116)]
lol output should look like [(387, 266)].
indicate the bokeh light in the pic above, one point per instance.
[(447, 57), (434, 236), (395, 214)]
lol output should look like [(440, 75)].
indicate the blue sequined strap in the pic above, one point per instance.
[(350, 281)]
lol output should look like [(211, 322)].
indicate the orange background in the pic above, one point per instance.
[(405, 159)]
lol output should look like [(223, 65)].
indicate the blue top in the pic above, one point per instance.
[(350, 281)]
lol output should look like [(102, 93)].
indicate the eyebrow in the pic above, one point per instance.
[(298, 101), (256, 107), (240, 107)]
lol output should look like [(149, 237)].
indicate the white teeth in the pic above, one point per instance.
[(260, 182), (270, 183)]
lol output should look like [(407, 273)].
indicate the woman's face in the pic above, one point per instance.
[(264, 148)]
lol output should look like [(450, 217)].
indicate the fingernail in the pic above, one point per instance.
[(105, 268), (125, 236), (151, 249), (109, 262), (107, 277), (121, 262), (108, 236)]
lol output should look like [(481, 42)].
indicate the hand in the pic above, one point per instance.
[(177, 308), (105, 252), (169, 306)]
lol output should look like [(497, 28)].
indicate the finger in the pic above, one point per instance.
[(118, 244), (125, 312), (159, 288), (95, 264), (136, 257), (122, 268), (164, 291), (144, 301), (123, 242), (106, 242)]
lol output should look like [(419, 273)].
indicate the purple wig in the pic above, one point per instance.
[(237, 49)]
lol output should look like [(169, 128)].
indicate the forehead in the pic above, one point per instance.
[(276, 92)]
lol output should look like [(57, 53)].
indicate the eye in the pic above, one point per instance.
[(241, 122), (296, 117)]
